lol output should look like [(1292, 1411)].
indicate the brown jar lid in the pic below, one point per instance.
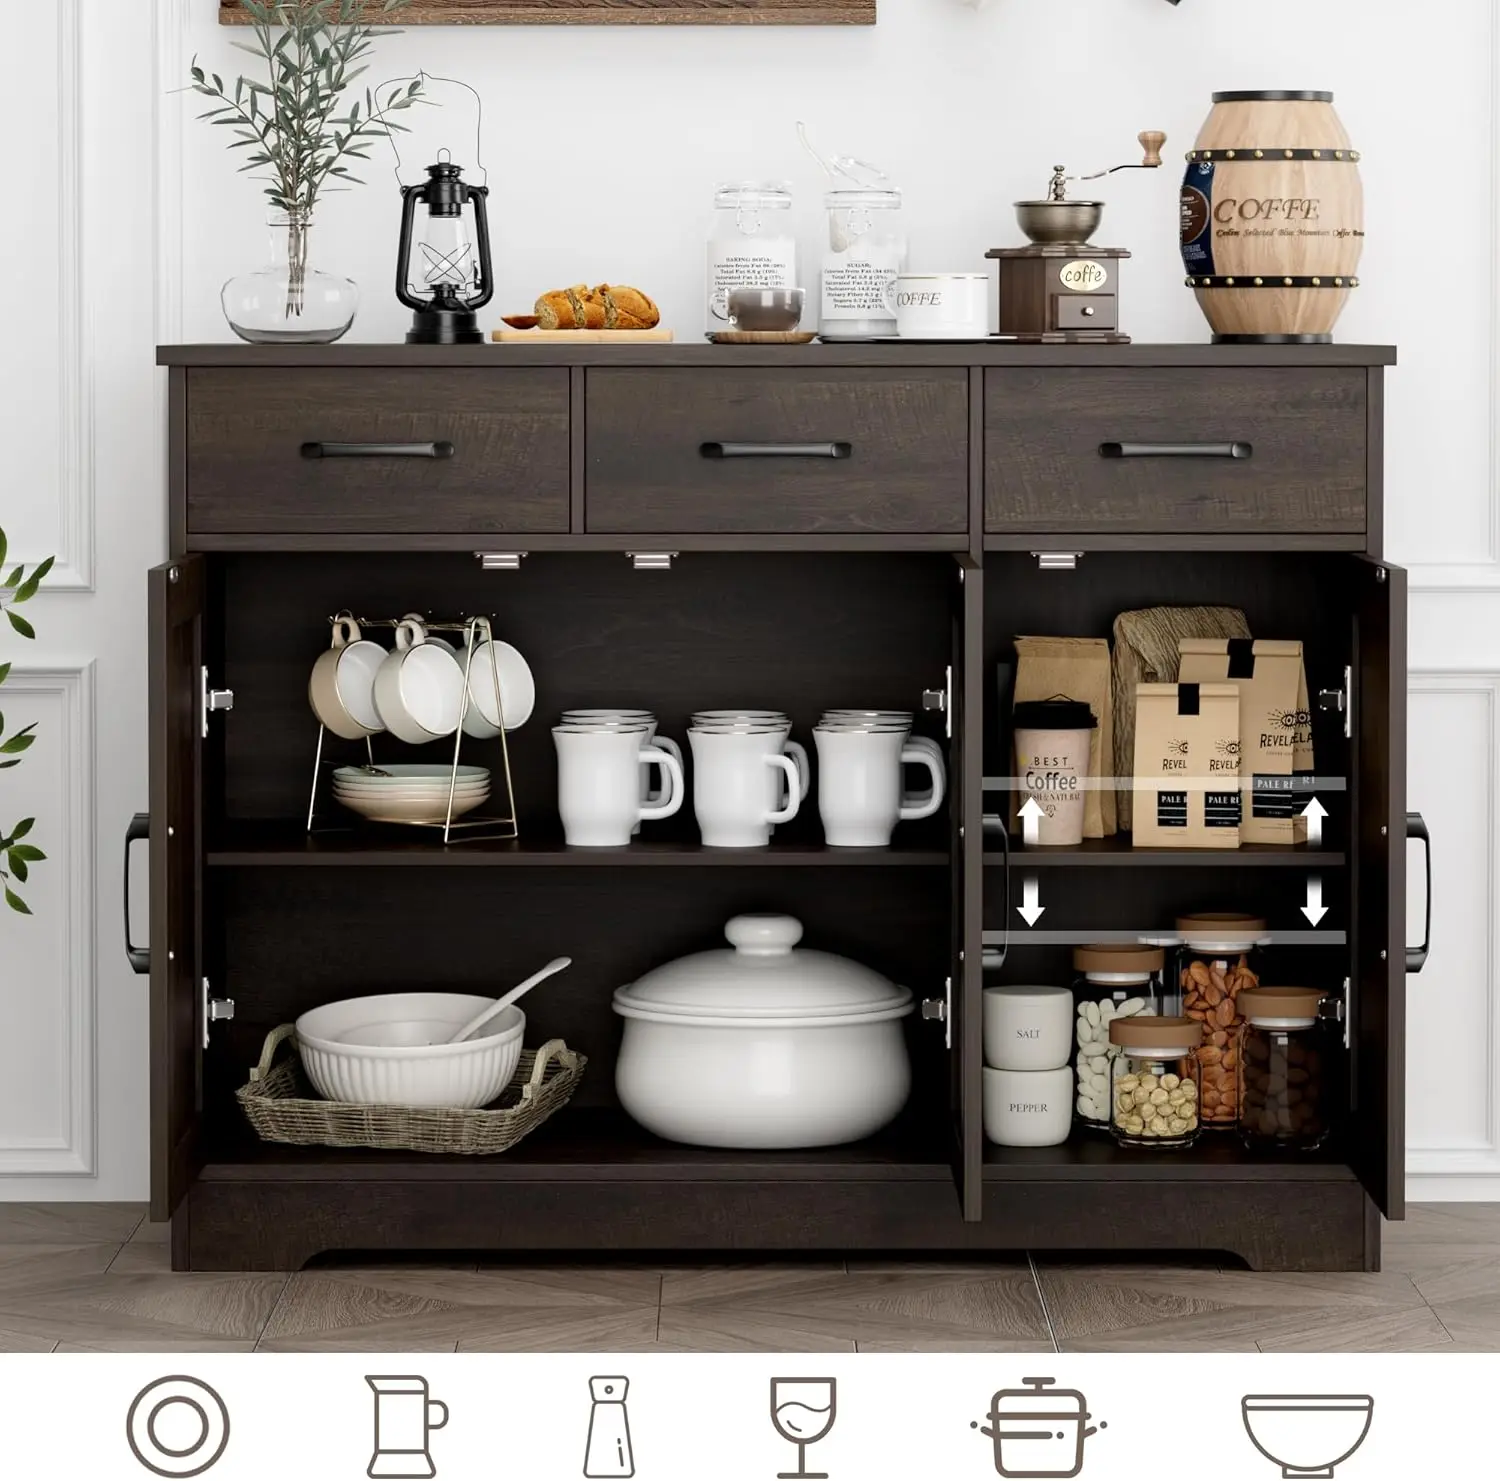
[(1221, 930), (1147, 1032), (1125, 957), (1279, 1004)]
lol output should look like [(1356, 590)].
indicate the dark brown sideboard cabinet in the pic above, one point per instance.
[(847, 526)]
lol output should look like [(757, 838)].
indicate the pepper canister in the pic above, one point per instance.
[(1286, 1065), (1113, 982), (1028, 1108), (1154, 1081)]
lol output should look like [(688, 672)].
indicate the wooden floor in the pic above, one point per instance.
[(95, 1277)]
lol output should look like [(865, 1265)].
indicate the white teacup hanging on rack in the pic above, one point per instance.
[(341, 688), (493, 660), (419, 690)]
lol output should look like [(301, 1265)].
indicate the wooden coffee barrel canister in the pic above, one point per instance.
[(1272, 217)]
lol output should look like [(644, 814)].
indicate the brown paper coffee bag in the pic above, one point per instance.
[(1186, 790), (1276, 746), (1075, 668)]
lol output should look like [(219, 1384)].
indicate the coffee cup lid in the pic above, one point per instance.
[(1060, 713)]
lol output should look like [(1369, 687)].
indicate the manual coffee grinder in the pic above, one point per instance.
[(1058, 289)]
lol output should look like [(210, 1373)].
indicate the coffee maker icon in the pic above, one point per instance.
[(404, 1420)]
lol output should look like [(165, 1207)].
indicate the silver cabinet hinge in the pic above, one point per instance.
[(500, 560), (1340, 701), (1057, 560), (940, 1010), (212, 699), (215, 1010), (942, 700), (651, 560)]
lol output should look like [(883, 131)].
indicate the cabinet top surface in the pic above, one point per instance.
[(814, 356)]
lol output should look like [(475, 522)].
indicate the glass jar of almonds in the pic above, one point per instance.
[(1218, 957), (1154, 1081)]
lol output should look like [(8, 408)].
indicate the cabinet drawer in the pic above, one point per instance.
[(1164, 451), (377, 451), (766, 451)]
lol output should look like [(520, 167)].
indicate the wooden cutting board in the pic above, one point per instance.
[(581, 336)]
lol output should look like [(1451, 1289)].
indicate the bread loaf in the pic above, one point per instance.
[(604, 307)]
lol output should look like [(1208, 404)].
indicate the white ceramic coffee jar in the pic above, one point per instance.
[(1028, 1108), (763, 1046), (1027, 1028)]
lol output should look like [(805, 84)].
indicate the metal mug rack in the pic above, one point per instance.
[(491, 826)]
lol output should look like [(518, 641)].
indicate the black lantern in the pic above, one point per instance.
[(452, 275)]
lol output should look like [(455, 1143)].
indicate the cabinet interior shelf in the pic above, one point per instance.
[(278, 845), (1216, 1157), (1119, 851)]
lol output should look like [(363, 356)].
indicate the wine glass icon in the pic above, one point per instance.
[(803, 1411)]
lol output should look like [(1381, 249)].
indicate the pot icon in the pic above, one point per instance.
[(1038, 1431)]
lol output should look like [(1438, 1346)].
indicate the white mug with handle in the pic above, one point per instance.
[(737, 780), (599, 784), (859, 784)]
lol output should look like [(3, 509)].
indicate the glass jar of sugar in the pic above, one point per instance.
[(751, 244), (866, 249)]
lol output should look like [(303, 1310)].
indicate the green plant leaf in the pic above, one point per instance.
[(20, 624), (4, 675), (14, 579), (15, 902), (22, 740), (22, 828), (28, 589), (28, 852), (17, 867)]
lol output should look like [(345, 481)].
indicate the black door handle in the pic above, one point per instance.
[(377, 449), (139, 957), (776, 449), (1236, 450), (1416, 956)]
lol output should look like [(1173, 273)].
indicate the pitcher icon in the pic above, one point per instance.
[(404, 1420), (608, 1454)]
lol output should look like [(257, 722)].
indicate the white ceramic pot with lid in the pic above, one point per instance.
[(764, 1045)]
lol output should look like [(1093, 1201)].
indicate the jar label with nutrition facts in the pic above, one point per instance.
[(858, 287), (770, 263)]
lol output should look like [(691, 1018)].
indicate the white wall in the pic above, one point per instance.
[(603, 147)]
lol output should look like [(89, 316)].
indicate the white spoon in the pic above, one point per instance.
[(557, 964)]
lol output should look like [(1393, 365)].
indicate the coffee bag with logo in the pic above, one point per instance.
[(1186, 789), (1077, 668), (1276, 749)]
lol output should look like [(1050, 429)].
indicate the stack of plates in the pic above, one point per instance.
[(410, 792)]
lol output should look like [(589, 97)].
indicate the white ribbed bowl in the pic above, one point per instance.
[(380, 1050)]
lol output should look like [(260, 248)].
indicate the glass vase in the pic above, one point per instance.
[(289, 301)]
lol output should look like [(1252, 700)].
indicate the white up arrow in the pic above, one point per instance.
[(1030, 911), (1032, 814), (1314, 812), (1315, 909)]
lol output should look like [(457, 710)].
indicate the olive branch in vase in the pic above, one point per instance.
[(16, 857)]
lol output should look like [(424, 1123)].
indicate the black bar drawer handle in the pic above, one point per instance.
[(139, 957), (1237, 450), (1416, 956), (377, 449), (776, 449)]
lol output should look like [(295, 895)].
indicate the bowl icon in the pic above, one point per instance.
[(1307, 1435)]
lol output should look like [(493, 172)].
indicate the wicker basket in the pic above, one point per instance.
[(282, 1106)]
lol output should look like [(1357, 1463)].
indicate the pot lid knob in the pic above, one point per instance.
[(763, 935)]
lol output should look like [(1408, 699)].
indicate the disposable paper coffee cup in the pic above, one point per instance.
[(1052, 760)]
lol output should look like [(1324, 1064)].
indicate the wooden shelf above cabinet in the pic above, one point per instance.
[(287, 846)]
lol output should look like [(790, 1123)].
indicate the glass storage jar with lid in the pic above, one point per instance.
[(1288, 1055), (1154, 1081), (1218, 956), (866, 249), (751, 244), (1113, 982)]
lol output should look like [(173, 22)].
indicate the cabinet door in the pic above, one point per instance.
[(965, 804), (1378, 861), (176, 721)]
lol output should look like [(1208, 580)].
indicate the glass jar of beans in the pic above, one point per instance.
[(1154, 1081), (1286, 1069), (1218, 957), (1114, 981)]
